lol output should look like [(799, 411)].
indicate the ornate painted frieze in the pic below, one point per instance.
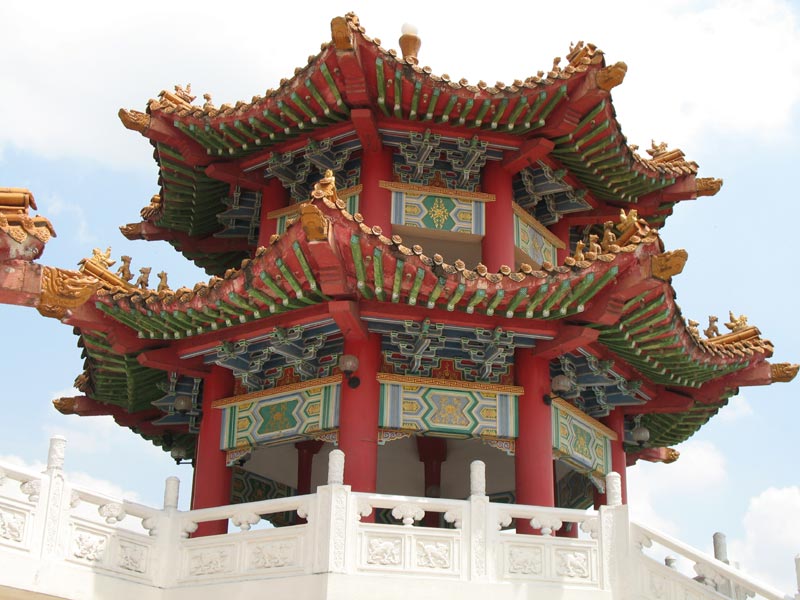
[(429, 349), (179, 385), (445, 408), (534, 239), (298, 170), (438, 210), (544, 194), (249, 487), (297, 411), (428, 158), (281, 356), (594, 386), (580, 441), (241, 218)]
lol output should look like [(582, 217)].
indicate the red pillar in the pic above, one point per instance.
[(498, 240), (273, 197), (432, 453), (305, 462), (212, 477), (533, 460), (358, 416), (375, 202)]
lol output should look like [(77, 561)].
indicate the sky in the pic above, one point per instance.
[(720, 80)]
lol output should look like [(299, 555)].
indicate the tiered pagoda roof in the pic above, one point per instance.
[(556, 131), (566, 111)]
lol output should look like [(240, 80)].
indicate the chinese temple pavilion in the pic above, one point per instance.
[(419, 271)]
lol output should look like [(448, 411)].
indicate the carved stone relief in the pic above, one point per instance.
[(433, 555), (525, 561), (273, 555), (384, 551)]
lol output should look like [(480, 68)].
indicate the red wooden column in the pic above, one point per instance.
[(358, 416), (498, 241), (273, 197), (533, 460), (305, 462), (375, 202), (432, 453), (212, 477)]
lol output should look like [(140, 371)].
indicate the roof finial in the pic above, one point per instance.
[(410, 42)]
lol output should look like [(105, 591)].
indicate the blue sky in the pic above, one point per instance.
[(720, 80)]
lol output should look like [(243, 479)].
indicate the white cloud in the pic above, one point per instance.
[(701, 468), (703, 70), (57, 206), (738, 408), (772, 537)]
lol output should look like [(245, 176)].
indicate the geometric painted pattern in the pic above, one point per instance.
[(440, 213), (442, 409), (544, 194), (288, 413), (594, 386), (430, 349), (249, 487), (533, 243), (580, 441)]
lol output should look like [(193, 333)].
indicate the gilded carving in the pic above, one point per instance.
[(97, 266), (783, 372), (610, 77), (671, 455), (664, 266), (707, 186), (134, 120), (712, 330), (62, 290), (340, 34), (124, 270), (154, 210), (314, 223), (144, 278), (736, 323)]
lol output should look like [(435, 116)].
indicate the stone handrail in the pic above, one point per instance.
[(84, 538), (714, 573)]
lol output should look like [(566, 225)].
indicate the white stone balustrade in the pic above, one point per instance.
[(710, 577), (68, 542)]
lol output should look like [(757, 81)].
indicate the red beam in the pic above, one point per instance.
[(207, 341), (568, 338), (233, 174), (546, 329), (366, 128), (345, 313), (664, 402), (207, 245), (166, 359), (530, 152), (20, 282)]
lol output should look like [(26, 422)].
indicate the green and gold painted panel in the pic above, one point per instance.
[(439, 407), (297, 411), (437, 212), (580, 441), (533, 243)]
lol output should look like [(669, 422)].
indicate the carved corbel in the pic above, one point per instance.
[(664, 266)]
